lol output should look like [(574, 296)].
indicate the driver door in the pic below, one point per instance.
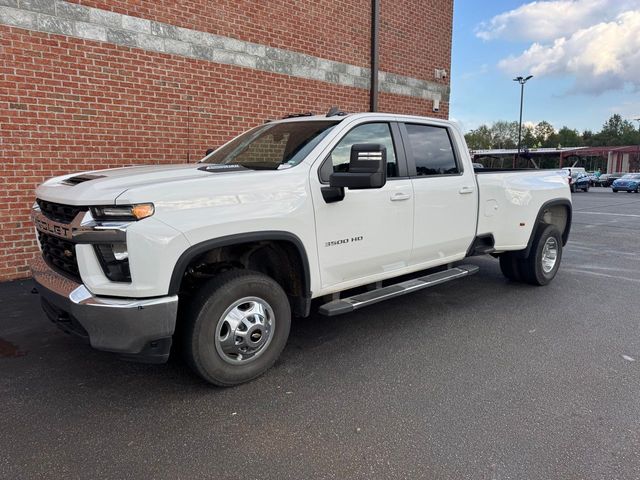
[(369, 233)]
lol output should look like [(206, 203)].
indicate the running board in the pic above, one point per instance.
[(346, 305)]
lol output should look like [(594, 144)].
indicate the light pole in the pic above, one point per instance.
[(638, 120), (521, 81)]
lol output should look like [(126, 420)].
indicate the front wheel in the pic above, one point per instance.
[(542, 264), (614, 190), (237, 326), (585, 189)]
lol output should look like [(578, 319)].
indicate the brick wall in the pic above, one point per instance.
[(325, 28), (415, 35), (71, 104)]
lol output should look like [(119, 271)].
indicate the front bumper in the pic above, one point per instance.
[(138, 329)]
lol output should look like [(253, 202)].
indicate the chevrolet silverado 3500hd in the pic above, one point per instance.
[(220, 254)]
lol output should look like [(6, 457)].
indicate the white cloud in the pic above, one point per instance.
[(601, 57), (548, 20)]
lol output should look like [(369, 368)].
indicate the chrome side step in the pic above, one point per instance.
[(346, 305)]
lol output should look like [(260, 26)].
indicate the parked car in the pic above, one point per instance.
[(629, 183), (610, 178), (579, 181), (602, 180), (592, 177), (572, 170), (478, 165), (297, 209)]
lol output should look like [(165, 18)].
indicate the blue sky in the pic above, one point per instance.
[(584, 55)]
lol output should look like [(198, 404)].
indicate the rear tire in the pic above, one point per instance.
[(614, 190), (586, 189), (237, 325), (542, 264)]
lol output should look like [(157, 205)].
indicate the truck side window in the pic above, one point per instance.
[(367, 133), (432, 150)]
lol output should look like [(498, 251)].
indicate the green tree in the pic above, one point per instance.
[(568, 137), (504, 134), (544, 133), (480, 138), (529, 139), (615, 131)]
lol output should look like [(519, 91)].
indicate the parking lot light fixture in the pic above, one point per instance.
[(521, 81)]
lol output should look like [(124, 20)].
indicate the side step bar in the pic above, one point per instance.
[(346, 305)]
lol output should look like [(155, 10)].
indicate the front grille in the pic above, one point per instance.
[(60, 255), (58, 212)]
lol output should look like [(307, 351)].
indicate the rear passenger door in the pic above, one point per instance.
[(445, 195)]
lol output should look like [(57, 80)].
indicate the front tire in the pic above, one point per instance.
[(237, 326), (542, 264), (614, 190)]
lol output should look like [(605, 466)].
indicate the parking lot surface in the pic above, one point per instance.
[(481, 378)]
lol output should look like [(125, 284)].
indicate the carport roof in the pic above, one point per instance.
[(598, 151)]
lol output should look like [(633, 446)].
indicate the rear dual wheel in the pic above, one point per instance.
[(542, 263)]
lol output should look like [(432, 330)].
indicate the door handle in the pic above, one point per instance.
[(465, 190), (398, 196)]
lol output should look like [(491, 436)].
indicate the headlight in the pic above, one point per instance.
[(123, 212)]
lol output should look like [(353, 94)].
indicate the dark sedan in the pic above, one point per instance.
[(579, 181)]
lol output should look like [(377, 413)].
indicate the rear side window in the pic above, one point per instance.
[(432, 150)]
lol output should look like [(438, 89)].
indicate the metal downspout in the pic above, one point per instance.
[(375, 27)]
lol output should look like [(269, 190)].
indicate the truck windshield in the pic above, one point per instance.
[(272, 146)]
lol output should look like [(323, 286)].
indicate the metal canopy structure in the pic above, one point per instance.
[(532, 157), (619, 159)]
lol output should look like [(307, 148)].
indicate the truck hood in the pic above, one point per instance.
[(103, 187)]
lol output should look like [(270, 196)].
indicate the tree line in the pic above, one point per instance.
[(502, 134)]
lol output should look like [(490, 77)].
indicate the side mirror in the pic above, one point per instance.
[(367, 168), (209, 150)]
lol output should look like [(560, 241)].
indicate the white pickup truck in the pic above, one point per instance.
[(220, 254)]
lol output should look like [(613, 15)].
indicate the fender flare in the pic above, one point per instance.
[(199, 248), (565, 235)]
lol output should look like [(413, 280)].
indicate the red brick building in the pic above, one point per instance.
[(90, 84)]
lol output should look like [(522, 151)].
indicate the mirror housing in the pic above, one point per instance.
[(209, 150), (367, 168)]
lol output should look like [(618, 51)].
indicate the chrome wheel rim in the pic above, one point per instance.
[(245, 330), (549, 254)]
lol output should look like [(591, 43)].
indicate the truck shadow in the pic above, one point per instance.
[(57, 360)]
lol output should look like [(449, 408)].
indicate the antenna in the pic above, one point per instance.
[(333, 111)]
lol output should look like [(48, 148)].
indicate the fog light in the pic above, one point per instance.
[(114, 261), (120, 251)]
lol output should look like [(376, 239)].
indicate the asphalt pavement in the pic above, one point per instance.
[(478, 378)]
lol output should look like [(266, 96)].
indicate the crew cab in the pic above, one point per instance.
[(219, 255)]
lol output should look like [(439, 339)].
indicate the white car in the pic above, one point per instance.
[(225, 251)]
